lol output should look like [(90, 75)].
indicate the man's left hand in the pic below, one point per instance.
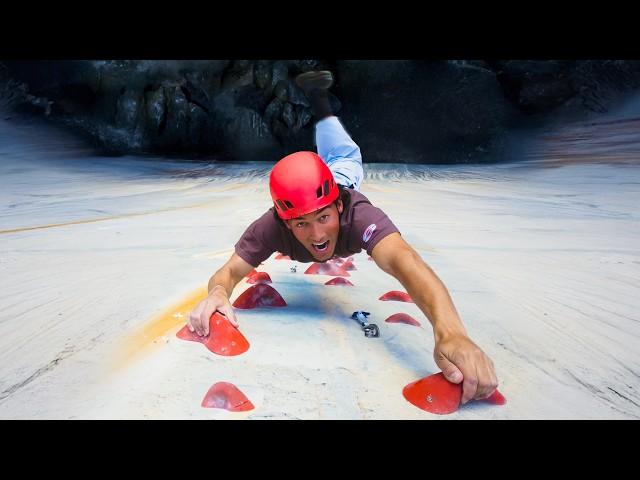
[(462, 360)]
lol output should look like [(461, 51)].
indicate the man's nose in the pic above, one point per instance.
[(317, 232)]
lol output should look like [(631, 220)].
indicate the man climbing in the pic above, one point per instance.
[(319, 214)]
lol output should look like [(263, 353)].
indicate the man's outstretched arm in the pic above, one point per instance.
[(457, 356), (220, 288)]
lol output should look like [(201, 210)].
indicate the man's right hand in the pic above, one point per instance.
[(199, 316)]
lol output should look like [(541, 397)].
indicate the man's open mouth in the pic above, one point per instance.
[(321, 247)]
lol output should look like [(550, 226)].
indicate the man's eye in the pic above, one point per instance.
[(300, 225), (323, 218)]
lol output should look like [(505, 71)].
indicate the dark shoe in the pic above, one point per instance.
[(309, 81)]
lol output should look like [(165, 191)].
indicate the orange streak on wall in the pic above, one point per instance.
[(149, 337)]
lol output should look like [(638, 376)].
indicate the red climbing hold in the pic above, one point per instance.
[(434, 394), (348, 265), (327, 269), (259, 277), (396, 295), (223, 339), (339, 281), (260, 295), (402, 318), (282, 256), (496, 398), (341, 260), (228, 396), (251, 273)]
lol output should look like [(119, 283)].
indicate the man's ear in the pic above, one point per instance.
[(340, 206)]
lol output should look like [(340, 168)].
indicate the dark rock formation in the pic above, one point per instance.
[(423, 112), (397, 111)]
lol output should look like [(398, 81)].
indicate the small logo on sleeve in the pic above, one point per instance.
[(368, 232)]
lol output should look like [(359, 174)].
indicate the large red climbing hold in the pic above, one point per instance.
[(228, 396), (260, 295), (496, 398), (339, 281), (259, 277), (327, 269), (434, 394), (282, 256), (402, 318), (223, 339), (397, 296)]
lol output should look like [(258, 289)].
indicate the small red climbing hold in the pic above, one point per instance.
[(402, 318), (339, 281), (259, 277), (326, 269), (228, 396), (397, 296), (348, 265), (260, 295)]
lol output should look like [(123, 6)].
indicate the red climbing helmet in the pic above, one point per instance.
[(301, 183)]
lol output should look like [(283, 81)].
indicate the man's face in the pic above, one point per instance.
[(318, 231)]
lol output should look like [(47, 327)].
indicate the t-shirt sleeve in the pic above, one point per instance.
[(259, 240), (370, 225)]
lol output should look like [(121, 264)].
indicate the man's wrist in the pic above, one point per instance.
[(441, 332), (218, 287)]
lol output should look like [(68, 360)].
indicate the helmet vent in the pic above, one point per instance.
[(284, 205), (319, 191), (326, 187)]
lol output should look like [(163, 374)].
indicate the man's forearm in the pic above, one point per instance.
[(224, 279), (429, 294)]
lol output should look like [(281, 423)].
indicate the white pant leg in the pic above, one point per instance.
[(339, 152)]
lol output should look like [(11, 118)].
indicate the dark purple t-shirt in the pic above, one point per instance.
[(362, 226)]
